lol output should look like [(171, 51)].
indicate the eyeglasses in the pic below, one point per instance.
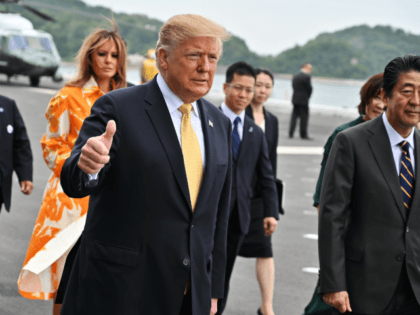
[(240, 88)]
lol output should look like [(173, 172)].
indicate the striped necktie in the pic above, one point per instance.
[(236, 140), (406, 175), (192, 154)]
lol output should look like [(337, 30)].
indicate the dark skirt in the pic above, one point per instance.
[(256, 244)]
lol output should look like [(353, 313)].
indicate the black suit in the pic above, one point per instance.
[(302, 90), (256, 244), (142, 241), (15, 149), (252, 158), (366, 238)]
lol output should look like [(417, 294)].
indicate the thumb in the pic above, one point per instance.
[(106, 138), (266, 225)]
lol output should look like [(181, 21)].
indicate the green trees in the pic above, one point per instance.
[(356, 52)]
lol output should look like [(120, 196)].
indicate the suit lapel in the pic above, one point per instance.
[(164, 127), (382, 151), (415, 203), (247, 138), (268, 129), (207, 124)]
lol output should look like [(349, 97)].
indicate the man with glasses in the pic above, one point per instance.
[(250, 156)]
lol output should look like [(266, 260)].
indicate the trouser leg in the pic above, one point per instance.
[(293, 119), (234, 241), (186, 308), (304, 118)]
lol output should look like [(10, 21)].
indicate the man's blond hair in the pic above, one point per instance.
[(184, 26)]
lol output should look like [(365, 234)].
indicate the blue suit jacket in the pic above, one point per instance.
[(142, 241), (15, 149)]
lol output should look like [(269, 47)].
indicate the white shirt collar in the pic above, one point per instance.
[(394, 137), (172, 100), (231, 115)]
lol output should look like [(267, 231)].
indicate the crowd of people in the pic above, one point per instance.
[(155, 191)]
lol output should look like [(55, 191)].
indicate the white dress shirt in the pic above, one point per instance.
[(174, 102), (232, 116), (395, 138)]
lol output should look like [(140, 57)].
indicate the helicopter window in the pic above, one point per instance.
[(46, 44), (32, 43), (18, 42)]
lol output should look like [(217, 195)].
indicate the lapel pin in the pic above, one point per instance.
[(1, 110), (9, 128), (210, 123), (251, 129)]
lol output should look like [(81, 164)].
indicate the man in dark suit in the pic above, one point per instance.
[(15, 152), (369, 227), (155, 235), (302, 90), (250, 156)]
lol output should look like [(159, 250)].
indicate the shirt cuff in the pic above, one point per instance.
[(93, 176)]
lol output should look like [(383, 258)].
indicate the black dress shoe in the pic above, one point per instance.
[(259, 312), (307, 138)]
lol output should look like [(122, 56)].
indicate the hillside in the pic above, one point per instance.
[(356, 52)]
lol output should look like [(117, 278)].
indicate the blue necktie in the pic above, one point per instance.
[(406, 175), (236, 141)]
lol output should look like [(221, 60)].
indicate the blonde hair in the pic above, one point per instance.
[(89, 46), (184, 26)]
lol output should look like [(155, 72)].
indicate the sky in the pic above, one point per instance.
[(272, 26)]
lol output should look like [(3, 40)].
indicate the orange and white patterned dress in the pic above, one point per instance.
[(61, 219)]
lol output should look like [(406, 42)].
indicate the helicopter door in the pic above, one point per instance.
[(3, 50)]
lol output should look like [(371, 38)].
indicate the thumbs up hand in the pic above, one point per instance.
[(95, 153)]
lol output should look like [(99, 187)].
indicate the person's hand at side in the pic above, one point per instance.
[(270, 225), (339, 300), (95, 153), (26, 186), (213, 309)]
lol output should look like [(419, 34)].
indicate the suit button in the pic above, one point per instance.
[(399, 258), (192, 225), (186, 262), (408, 229)]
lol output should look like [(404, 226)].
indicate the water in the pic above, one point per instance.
[(325, 92)]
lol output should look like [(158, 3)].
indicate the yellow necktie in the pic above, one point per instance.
[(192, 154)]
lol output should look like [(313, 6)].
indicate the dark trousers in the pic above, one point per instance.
[(66, 272), (403, 301), (302, 112), (186, 308), (1, 199), (234, 242)]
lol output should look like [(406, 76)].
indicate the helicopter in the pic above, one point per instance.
[(24, 50)]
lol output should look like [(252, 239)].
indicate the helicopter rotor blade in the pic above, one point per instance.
[(36, 12)]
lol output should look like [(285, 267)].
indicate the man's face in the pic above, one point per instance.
[(239, 92), (403, 107), (308, 68), (189, 69)]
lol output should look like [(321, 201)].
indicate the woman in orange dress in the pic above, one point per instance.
[(101, 68)]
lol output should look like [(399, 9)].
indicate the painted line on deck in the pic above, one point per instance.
[(308, 194), (43, 91), (310, 270), (311, 236), (310, 212), (301, 150)]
